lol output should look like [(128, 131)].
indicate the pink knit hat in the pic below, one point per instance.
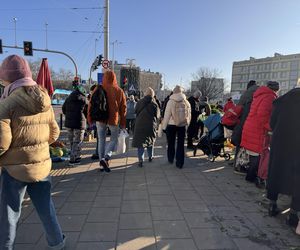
[(13, 68)]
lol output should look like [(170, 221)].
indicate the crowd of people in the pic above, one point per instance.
[(262, 126)]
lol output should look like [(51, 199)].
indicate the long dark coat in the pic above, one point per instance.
[(146, 123), (284, 164)]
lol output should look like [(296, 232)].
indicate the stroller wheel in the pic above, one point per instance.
[(227, 157), (211, 158)]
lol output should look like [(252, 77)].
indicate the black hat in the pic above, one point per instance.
[(273, 85)]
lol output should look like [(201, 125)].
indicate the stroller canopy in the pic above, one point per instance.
[(214, 126)]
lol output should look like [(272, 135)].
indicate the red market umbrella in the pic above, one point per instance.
[(44, 77)]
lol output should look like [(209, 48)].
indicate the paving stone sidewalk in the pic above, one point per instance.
[(202, 206)]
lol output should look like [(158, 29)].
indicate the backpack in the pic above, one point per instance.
[(181, 113), (99, 105)]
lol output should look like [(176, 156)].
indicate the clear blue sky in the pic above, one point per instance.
[(170, 36)]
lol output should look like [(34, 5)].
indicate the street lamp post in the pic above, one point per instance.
[(46, 26), (96, 40), (15, 24), (116, 42)]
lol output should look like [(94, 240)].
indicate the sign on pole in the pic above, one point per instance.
[(99, 78)]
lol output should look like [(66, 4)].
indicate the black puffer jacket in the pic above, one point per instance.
[(74, 110)]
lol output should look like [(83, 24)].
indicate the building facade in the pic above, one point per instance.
[(137, 80), (284, 69)]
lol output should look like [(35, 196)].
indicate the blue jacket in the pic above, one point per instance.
[(130, 109)]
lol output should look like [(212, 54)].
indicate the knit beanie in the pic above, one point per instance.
[(149, 91), (13, 68), (273, 85), (197, 93), (177, 89), (251, 83)]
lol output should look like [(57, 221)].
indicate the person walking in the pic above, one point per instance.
[(257, 125), (130, 114), (242, 110), (177, 117), (75, 121), (146, 125), (193, 129), (27, 127), (116, 118), (284, 162)]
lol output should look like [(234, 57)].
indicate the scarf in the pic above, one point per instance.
[(27, 81)]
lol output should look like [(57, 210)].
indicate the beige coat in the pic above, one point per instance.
[(170, 112), (27, 127)]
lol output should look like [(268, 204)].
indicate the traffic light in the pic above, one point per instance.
[(27, 48), (1, 49)]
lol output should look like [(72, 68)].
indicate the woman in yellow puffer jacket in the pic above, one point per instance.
[(27, 127)]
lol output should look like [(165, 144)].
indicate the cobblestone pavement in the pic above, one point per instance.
[(202, 206)]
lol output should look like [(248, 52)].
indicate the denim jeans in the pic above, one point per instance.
[(12, 192), (75, 138), (105, 151), (141, 153)]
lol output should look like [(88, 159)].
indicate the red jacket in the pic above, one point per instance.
[(229, 105), (257, 123)]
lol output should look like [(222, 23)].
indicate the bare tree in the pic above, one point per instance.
[(209, 82), (35, 67)]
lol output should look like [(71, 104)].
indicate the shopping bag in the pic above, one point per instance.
[(264, 159), (121, 146)]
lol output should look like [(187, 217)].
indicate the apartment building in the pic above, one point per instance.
[(284, 69)]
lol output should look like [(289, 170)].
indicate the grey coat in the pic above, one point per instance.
[(146, 123), (130, 114)]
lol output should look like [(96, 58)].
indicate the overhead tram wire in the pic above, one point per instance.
[(63, 31), (44, 9)]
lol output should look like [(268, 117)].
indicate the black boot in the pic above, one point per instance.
[(292, 220), (273, 209)]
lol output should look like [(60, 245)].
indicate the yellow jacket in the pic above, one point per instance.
[(27, 127)]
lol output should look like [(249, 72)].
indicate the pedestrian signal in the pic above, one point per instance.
[(28, 48)]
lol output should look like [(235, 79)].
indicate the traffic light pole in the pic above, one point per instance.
[(49, 51)]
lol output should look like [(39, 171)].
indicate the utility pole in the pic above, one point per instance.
[(106, 30), (116, 42)]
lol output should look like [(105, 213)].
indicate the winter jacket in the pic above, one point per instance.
[(146, 122), (242, 110), (229, 105), (170, 109), (116, 102), (27, 127), (284, 164), (130, 114), (195, 112), (73, 108), (257, 123)]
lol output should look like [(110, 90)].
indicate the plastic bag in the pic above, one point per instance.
[(121, 146)]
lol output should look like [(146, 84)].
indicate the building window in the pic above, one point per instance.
[(275, 75), (283, 75), (284, 65), (293, 74), (294, 65), (275, 65), (267, 66)]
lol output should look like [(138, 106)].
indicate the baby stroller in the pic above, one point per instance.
[(212, 143)]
